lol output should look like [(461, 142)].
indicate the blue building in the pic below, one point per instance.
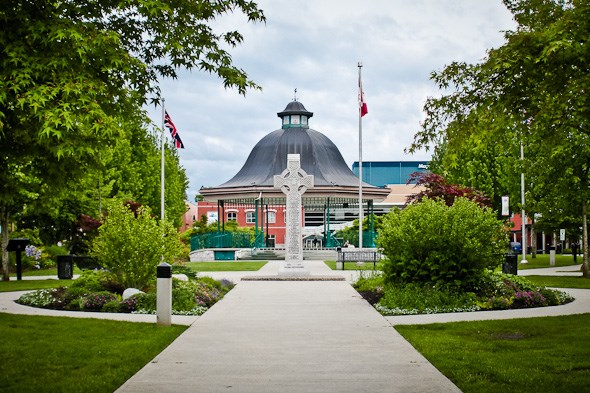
[(383, 173)]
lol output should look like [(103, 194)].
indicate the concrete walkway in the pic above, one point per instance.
[(290, 336)]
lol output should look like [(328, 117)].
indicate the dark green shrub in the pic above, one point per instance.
[(181, 269), (210, 282), (183, 295), (417, 298), (50, 254), (429, 242), (370, 287), (147, 302), (111, 306), (96, 281), (76, 304)]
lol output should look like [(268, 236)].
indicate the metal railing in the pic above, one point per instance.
[(221, 240)]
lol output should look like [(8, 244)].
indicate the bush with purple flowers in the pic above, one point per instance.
[(130, 304), (206, 295), (525, 299), (95, 301)]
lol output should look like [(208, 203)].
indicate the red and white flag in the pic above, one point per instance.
[(362, 104), (173, 131)]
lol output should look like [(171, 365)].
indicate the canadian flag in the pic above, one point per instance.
[(362, 104)]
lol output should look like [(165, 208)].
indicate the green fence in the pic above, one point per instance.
[(221, 240)]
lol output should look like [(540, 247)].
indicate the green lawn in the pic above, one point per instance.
[(519, 355), (561, 281), (225, 266), (27, 285), (542, 260), (52, 354), (352, 266), (43, 272)]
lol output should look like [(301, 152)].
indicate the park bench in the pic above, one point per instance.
[(356, 255)]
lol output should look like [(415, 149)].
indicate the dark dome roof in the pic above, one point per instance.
[(295, 108), (319, 157)]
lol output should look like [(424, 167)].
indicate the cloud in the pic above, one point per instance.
[(315, 47)]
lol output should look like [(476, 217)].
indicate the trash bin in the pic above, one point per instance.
[(510, 265), (65, 267)]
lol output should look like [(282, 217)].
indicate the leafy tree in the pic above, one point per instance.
[(351, 233), (531, 90), (131, 244), (437, 187), (72, 71), (433, 243)]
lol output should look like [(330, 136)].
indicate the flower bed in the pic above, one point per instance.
[(496, 291), (98, 291)]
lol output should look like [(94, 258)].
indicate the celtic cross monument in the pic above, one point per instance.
[(293, 182)]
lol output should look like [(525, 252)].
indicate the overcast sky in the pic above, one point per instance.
[(315, 46)]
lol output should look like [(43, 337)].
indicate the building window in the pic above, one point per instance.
[(232, 216), (250, 218), (272, 217)]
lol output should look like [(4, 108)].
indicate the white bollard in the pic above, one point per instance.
[(164, 294), (551, 256)]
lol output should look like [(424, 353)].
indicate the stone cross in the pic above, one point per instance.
[(293, 182)]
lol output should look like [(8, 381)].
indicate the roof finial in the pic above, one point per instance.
[(295, 97)]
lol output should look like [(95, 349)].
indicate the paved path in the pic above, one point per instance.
[(290, 336)]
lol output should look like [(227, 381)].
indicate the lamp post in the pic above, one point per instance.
[(523, 215)]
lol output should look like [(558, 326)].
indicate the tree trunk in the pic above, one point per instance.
[(5, 261), (586, 263)]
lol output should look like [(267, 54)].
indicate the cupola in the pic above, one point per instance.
[(295, 116)]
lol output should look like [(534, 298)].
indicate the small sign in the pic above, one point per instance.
[(505, 205), (562, 235), (211, 217)]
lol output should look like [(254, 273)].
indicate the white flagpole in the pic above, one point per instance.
[(360, 161), (162, 204), (523, 215)]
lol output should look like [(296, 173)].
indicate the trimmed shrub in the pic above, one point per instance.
[(111, 306), (130, 245), (425, 299), (431, 243)]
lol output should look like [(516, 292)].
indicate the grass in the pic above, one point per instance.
[(225, 266), (43, 272), (519, 355), (561, 281), (542, 260), (51, 354), (352, 266), (28, 285)]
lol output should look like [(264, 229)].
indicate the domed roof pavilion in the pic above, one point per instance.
[(335, 185)]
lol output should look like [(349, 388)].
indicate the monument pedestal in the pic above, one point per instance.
[(293, 269)]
